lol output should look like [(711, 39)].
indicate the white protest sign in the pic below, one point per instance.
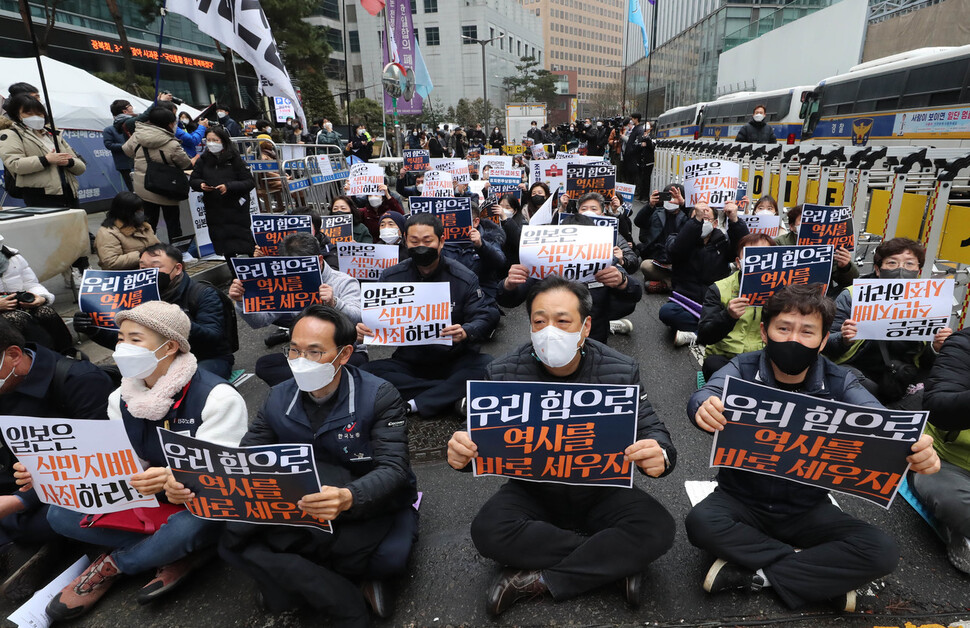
[(365, 179), (438, 183), (551, 171), (406, 313), (574, 252), (457, 168), (768, 225), (200, 224), (901, 309), (711, 181), (326, 168), (496, 162), (79, 464), (366, 261)]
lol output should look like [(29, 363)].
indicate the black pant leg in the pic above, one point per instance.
[(173, 221), (712, 364), (442, 394), (152, 212)]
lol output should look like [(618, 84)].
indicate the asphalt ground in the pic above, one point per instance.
[(447, 579)]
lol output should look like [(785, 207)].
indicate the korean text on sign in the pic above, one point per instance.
[(278, 284), (260, 484), (104, 293), (417, 159), (821, 224), (338, 227), (365, 179), (405, 313), (584, 178), (901, 309), (269, 230), (438, 183), (457, 168), (455, 214), (767, 269), (366, 261), (574, 252), (711, 181), (561, 433), (79, 464), (626, 191), (855, 450), (768, 225), (600, 221)]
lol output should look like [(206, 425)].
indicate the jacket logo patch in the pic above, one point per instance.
[(350, 426), (395, 423)]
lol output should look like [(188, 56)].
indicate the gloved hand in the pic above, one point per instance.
[(83, 323)]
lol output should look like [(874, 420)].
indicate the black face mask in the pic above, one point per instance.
[(423, 255), (537, 200), (138, 218), (164, 281), (898, 273), (791, 357)]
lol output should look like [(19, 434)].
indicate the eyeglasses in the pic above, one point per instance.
[(293, 353), (893, 265)]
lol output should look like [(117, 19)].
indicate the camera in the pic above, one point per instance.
[(177, 101), (666, 197)]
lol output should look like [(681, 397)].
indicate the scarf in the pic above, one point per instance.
[(153, 404)]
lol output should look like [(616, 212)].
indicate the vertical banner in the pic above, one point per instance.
[(417, 159), (338, 227), (366, 261), (403, 50), (821, 224), (558, 433), (901, 309), (768, 225), (438, 183), (574, 252), (626, 192), (405, 313), (260, 484), (836, 446), (365, 180), (585, 178), (278, 284), (269, 230), (201, 225), (104, 293), (80, 464), (767, 269), (455, 214), (711, 181)]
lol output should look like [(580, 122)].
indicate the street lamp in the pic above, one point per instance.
[(483, 43)]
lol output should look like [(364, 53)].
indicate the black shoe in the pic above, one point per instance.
[(461, 408), (277, 337), (376, 596), (512, 586), (632, 589), (723, 576), (30, 577)]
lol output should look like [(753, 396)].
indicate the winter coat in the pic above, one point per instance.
[(718, 331), (114, 138), (328, 137), (946, 394), (24, 154), (360, 147), (496, 140), (756, 133), (119, 246), (157, 142), (765, 493), (226, 214), (696, 264), (513, 233), (232, 127), (20, 276), (653, 241), (190, 141), (487, 261), (459, 145), (371, 217)]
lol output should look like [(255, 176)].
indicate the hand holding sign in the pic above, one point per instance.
[(710, 416), (648, 455), (461, 450), (327, 504), (151, 480)]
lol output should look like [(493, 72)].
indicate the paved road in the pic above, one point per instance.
[(447, 580)]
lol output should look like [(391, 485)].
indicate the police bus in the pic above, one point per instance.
[(724, 117), (920, 97), (680, 123)]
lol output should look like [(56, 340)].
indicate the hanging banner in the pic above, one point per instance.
[(278, 284), (403, 50), (366, 261), (455, 214), (821, 224), (767, 269), (269, 230), (711, 181), (901, 309), (406, 314), (104, 293), (574, 252)]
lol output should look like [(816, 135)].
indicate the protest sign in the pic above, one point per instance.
[(455, 214), (574, 252), (502, 182), (855, 450), (821, 224), (417, 159), (405, 313), (768, 225), (200, 223), (626, 191), (559, 433), (767, 269), (365, 179), (438, 183), (278, 284), (338, 227), (901, 309), (600, 221), (259, 484), (457, 168), (496, 162), (104, 293), (538, 152), (711, 181), (269, 230), (79, 464), (550, 171), (585, 178), (366, 261)]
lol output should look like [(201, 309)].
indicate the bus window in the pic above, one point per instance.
[(880, 92)]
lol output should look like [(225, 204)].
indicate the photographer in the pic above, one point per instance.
[(636, 149), (26, 304)]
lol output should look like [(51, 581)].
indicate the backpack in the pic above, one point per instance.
[(228, 309)]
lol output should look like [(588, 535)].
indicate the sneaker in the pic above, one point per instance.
[(845, 603), (621, 326), (170, 576), (724, 576), (958, 551), (188, 258), (657, 287), (78, 597), (684, 338)]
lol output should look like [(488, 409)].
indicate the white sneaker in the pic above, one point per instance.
[(621, 326), (188, 258), (683, 338)]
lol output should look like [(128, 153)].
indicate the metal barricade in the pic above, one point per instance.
[(262, 157)]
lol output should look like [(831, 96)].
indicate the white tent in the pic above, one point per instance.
[(79, 100)]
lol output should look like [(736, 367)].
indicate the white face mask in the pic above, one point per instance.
[(310, 375), (222, 114), (375, 201), (360, 131), (759, 117), (555, 347), (328, 126), (599, 124), (764, 212), (420, 186), (589, 212), (707, 229), (507, 213), (4, 379), (33, 122), (134, 361), (185, 121), (671, 206), (214, 147), (390, 235)]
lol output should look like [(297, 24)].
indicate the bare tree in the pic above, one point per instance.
[(126, 57), (50, 13)]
